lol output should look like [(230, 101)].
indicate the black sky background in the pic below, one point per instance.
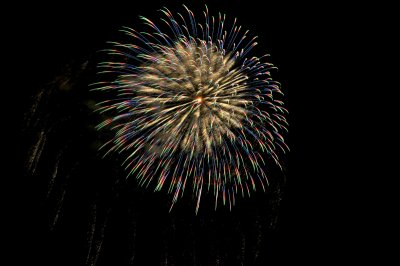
[(319, 221)]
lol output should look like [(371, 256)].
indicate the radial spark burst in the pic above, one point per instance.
[(190, 107)]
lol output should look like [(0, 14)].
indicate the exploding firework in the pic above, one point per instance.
[(189, 107)]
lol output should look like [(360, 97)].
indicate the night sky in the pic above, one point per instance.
[(317, 217)]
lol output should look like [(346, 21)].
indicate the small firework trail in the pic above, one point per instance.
[(192, 108)]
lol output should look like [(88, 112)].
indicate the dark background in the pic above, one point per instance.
[(312, 45)]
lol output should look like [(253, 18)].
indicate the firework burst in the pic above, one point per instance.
[(190, 108)]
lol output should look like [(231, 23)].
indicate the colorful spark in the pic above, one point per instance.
[(189, 107)]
